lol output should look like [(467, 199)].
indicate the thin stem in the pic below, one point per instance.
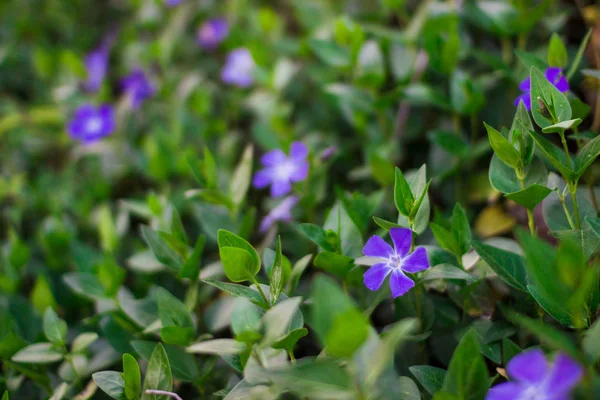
[(262, 294), (292, 358), (163, 393), (573, 191), (530, 221), (566, 210), (565, 147)]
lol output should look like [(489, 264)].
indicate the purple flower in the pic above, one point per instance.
[(238, 68), (396, 261), (328, 153), (282, 212), (138, 87), (534, 378), (172, 3), (212, 33), (554, 76), (96, 65), (90, 123), (281, 171)]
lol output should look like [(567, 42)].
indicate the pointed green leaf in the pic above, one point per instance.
[(161, 249), (240, 181), (191, 267), (530, 196), (555, 155), (563, 126), (586, 156), (111, 383), (557, 52), (431, 378), (55, 328), (158, 374), (403, 196), (559, 109), (503, 148), (467, 375), (131, 377), (509, 266), (276, 285)]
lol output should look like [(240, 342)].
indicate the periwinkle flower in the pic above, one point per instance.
[(137, 87), (90, 123), (238, 68), (212, 32), (554, 76), (396, 261), (328, 153), (96, 65), (282, 212), (533, 378), (172, 3), (281, 171)]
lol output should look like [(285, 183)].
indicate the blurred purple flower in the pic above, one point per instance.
[(554, 76), (90, 123), (137, 87), (534, 378), (172, 3), (282, 212), (328, 153), (238, 68), (212, 33), (96, 65), (396, 261), (281, 171)]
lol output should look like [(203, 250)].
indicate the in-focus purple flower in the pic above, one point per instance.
[(281, 171), (554, 76), (212, 32), (96, 65), (172, 3), (137, 87), (533, 378), (282, 212), (90, 123), (238, 68), (396, 261)]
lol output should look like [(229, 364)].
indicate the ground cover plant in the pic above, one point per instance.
[(245, 199)]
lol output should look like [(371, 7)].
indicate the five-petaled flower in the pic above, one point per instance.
[(395, 261), (282, 212), (137, 87), (212, 33), (90, 123), (536, 379), (239, 68), (554, 76), (281, 171), (96, 65)]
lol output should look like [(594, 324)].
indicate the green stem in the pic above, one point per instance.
[(573, 191), (262, 294), (565, 147), (566, 210), (292, 358), (530, 221)]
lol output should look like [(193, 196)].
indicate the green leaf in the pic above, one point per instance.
[(334, 263), (5, 395), (177, 335), (530, 197), (387, 225), (171, 311), (419, 201), (177, 228), (450, 142), (370, 68), (417, 181), (461, 229), (330, 53), (467, 375), (38, 353), (579, 55), (55, 328), (318, 236), (503, 148), (280, 319), (403, 196), (556, 102), (276, 283), (161, 249), (586, 156), (237, 291), (445, 238), (158, 374), (83, 340), (431, 378), (217, 346), (239, 265), (447, 272), (347, 333), (546, 334), (350, 237), (182, 364), (504, 179), (563, 126), (86, 285), (591, 343), (131, 377), (557, 52), (288, 342), (297, 272), (240, 181), (522, 124), (191, 267), (509, 266), (555, 155), (111, 383)]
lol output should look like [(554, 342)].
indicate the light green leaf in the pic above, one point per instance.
[(158, 374), (240, 181), (55, 328), (38, 353), (557, 52), (530, 197), (161, 249), (111, 383), (276, 285), (563, 126), (131, 377), (217, 346)]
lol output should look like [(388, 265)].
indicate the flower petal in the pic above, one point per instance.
[(416, 261), (375, 276), (505, 391), (526, 99), (280, 188), (262, 178), (402, 239), (400, 283), (298, 151), (564, 374), (529, 366), (300, 173), (273, 157), (377, 247), (266, 223), (562, 84), (525, 85), (552, 74)]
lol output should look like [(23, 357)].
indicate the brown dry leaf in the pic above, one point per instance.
[(502, 372), (591, 14), (494, 221)]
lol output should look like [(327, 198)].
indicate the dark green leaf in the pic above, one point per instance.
[(556, 102), (288, 342), (318, 236), (334, 263), (237, 290), (191, 267), (530, 197), (586, 156), (86, 285), (111, 383), (330, 53), (555, 155), (504, 179), (172, 311), (450, 142), (509, 266), (161, 249), (431, 378), (403, 196), (503, 148), (461, 229)]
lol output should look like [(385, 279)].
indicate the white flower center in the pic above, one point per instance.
[(285, 170), (93, 125), (533, 393), (395, 261)]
